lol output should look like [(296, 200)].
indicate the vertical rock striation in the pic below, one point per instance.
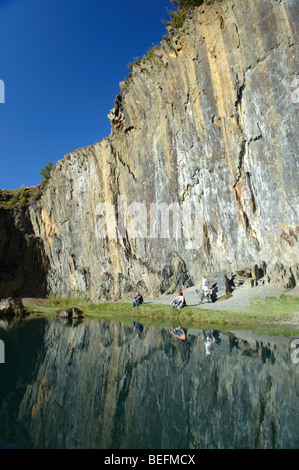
[(209, 121)]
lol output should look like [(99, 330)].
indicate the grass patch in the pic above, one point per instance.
[(281, 308), (261, 313)]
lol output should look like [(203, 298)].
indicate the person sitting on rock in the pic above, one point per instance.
[(138, 300), (179, 301), (205, 290)]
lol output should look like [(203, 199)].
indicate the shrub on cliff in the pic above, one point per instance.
[(178, 17), (185, 4), (136, 62), (151, 52)]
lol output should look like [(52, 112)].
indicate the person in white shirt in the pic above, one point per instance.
[(205, 290)]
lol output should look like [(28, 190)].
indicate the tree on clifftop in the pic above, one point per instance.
[(46, 172)]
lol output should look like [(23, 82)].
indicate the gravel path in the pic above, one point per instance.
[(240, 297)]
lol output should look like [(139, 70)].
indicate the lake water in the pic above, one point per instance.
[(97, 384)]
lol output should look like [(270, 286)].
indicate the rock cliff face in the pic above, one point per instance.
[(207, 123)]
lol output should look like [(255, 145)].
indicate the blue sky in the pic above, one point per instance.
[(61, 62)]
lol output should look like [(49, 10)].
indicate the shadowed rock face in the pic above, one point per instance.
[(23, 262), (99, 385)]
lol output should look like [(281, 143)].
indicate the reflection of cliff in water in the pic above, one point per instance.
[(99, 385)]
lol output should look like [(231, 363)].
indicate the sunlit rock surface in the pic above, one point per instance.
[(210, 120)]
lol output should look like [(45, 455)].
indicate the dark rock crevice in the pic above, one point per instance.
[(23, 262)]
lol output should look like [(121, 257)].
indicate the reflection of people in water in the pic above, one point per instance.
[(179, 333), (209, 340), (138, 328)]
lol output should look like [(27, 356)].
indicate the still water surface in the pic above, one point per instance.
[(97, 384)]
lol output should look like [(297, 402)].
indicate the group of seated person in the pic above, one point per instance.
[(180, 301), (177, 302)]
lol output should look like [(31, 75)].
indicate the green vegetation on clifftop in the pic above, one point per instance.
[(176, 21), (178, 17), (11, 198)]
